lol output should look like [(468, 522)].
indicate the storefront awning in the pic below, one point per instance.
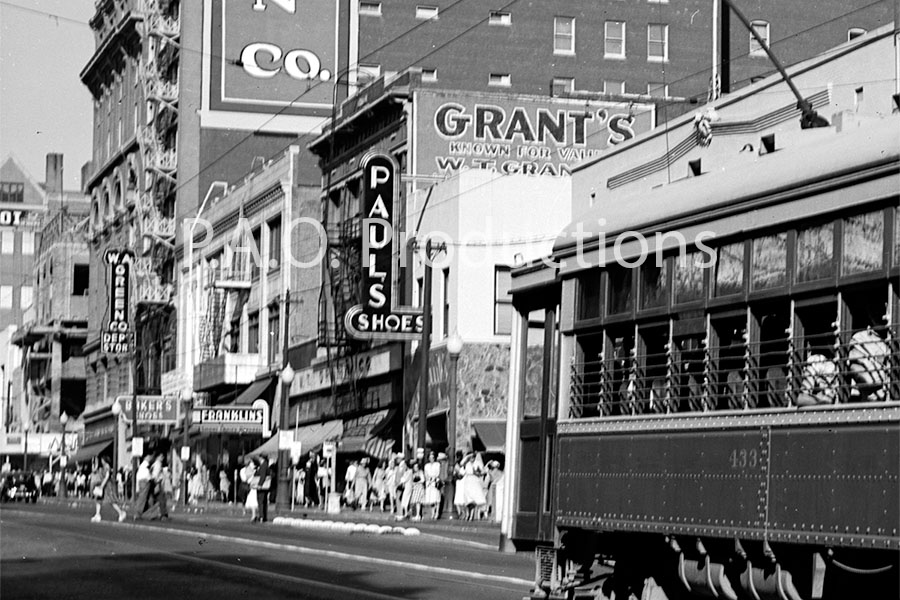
[(255, 390), (86, 453), (311, 438), (490, 433), (357, 432)]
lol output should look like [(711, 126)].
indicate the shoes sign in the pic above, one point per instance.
[(117, 337), (377, 318)]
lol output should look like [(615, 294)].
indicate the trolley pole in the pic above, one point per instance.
[(426, 346)]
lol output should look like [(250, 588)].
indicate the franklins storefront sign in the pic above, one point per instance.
[(377, 318), (117, 337), (236, 419), (518, 134)]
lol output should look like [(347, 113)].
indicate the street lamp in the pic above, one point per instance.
[(283, 498), (454, 349), (63, 460), (25, 427), (116, 409)]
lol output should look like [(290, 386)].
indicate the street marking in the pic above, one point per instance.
[(331, 554)]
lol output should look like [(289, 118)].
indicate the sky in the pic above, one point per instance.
[(44, 108)]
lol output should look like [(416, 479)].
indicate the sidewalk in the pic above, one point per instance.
[(483, 533)]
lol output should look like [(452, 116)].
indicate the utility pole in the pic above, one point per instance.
[(426, 347), (285, 481)]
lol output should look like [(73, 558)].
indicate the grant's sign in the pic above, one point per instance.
[(238, 419), (270, 56), (117, 337), (518, 134), (378, 317)]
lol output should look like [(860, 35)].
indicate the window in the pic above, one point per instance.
[(274, 243), (863, 243), (503, 308), (500, 79), (370, 9), (611, 86), (500, 18), (7, 241), (769, 266), (762, 29), (26, 296), (619, 297), (6, 296), (589, 295), (563, 35), (815, 253), (429, 74), (426, 12), (855, 32), (657, 90), (445, 296), (81, 277), (688, 285), (654, 285), (657, 42), (253, 333), (614, 39), (12, 192), (563, 84), (367, 73), (730, 269), (274, 332), (255, 253), (27, 242)]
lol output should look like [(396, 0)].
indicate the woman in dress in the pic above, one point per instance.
[(473, 471), (404, 488), (248, 476), (433, 484), (378, 478), (417, 495), (107, 491)]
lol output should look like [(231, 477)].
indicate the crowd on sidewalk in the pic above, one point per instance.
[(417, 489)]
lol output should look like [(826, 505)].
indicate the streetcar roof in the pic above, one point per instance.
[(690, 200)]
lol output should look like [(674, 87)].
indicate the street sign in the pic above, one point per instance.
[(296, 449), (328, 449), (185, 453), (137, 446), (285, 438)]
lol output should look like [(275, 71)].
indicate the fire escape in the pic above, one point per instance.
[(158, 75)]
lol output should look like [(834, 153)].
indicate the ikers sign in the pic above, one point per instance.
[(377, 318)]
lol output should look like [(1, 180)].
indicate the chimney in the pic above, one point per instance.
[(53, 179), (86, 172)]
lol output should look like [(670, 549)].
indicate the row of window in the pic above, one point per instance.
[(8, 242), (8, 297), (808, 256), (273, 344), (247, 256), (11, 191)]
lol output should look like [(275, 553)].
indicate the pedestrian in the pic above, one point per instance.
[(390, 484), (433, 484), (143, 480), (362, 481), (248, 476), (417, 495), (264, 476), (311, 481), (224, 485), (349, 479), (165, 493), (459, 494), (159, 499), (378, 479), (105, 490), (473, 490), (404, 489)]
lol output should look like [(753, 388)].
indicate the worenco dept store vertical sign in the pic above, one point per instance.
[(377, 318), (117, 337)]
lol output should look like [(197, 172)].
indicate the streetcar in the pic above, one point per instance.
[(722, 418)]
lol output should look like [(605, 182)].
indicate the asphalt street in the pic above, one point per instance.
[(51, 551)]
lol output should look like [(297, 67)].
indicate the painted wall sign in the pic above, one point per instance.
[(377, 317), (156, 410), (518, 134), (11, 218), (118, 337), (241, 419), (271, 56)]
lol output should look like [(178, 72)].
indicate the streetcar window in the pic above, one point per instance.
[(815, 253), (863, 243), (897, 237), (654, 285), (688, 278), (769, 382), (619, 297), (587, 379), (652, 367), (769, 262), (688, 368), (730, 269), (622, 378), (589, 295), (727, 362)]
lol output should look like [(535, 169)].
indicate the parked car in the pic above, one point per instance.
[(18, 486)]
